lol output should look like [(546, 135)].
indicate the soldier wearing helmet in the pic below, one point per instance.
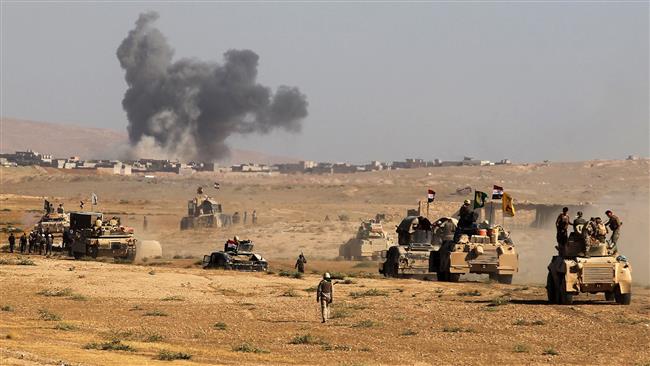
[(324, 296), (466, 219)]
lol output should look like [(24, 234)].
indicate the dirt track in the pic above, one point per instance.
[(410, 322)]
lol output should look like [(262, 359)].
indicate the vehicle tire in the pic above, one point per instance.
[(566, 298), (551, 291), (93, 251), (622, 299), (609, 296), (505, 279), (453, 277), (442, 276)]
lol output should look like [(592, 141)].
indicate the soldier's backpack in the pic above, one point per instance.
[(601, 230)]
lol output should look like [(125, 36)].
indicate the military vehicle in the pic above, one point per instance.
[(56, 224), (590, 268), (370, 241), (204, 213), (425, 247), (237, 256), (94, 237)]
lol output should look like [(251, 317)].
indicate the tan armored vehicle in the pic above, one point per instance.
[(588, 268), (426, 247), (93, 236), (370, 241), (203, 213), (54, 223), (237, 255)]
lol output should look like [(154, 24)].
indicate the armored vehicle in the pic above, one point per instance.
[(202, 213), (588, 268), (54, 223), (425, 247), (370, 241), (237, 256), (93, 236)]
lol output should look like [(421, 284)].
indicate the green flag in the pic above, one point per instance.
[(479, 199)]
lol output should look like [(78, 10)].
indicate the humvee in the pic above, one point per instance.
[(239, 257), (588, 269), (204, 213), (93, 236), (370, 241)]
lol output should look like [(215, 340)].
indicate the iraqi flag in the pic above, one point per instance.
[(497, 192), (431, 195)]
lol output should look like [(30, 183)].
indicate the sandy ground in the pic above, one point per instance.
[(410, 322)]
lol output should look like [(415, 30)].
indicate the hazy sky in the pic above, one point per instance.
[(527, 81)]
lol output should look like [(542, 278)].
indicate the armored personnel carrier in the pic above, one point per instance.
[(204, 213), (93, 236), (56, 224), (370, 241), (425, 247), (237, 256), (592, 269)]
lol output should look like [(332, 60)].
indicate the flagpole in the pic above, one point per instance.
[(491, 211)]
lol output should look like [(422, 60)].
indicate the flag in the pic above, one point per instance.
[(216, 185), (508, 206), (479, 199), (431, 195), (497, 192), (93, 199)]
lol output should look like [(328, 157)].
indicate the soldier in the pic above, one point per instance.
[(562, 227), (41, 243), (324, 296), (12, 242), (600, 230), (254, 217), (300, 263), (614, 224), (48, 242), (466, 219), (60, 210), (145, 224), (579, 223), (32, 241), (236, 218), (23, 243), (245, 217)]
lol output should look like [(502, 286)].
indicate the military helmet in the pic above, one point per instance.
[(326, 276), (467, 202)]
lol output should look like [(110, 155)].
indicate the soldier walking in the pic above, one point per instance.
[(145, 224), (562, 227), (614, 224), (245, 217), (23, 243), (12, 242), (49, 240), (324, 296), (254, 217), (300, 263), (32, 240)]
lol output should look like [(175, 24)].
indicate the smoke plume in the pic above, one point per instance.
[(189, 108)]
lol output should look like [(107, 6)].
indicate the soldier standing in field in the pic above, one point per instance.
[(300, 263), (12, 242), (324, 296), (23, 243)]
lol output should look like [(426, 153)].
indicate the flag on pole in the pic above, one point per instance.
[(497, 192), (508, 206), (479, 199), (431, 195), (93, 199)]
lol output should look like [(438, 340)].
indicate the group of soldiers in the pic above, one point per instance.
[(592, 232), (38, 240), (236, 217)]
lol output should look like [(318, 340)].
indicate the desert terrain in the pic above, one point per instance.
[(59, 311)]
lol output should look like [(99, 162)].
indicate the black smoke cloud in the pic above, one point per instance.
[(189, 108)]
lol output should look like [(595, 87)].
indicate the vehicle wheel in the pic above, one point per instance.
[(622, 299), (453, 277), (442, 276), (609, 296), (493, 277), (78, 255), (507, 279), (93, 251), (551, 291), (566, 298)]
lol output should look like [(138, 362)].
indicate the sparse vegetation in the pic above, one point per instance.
[(338, 347), (339, 314), (25, 262), (290, 293), (177, 256), (152, 337), (155, 313), (173, 298), (499, 301), (166, 355), (409, 332), (469, 293), (78, 297), (305, 339), (338, 275), (312, 289), (114, 345), (366, 324), (520, 348), (248, 348), (45, 314), (452, 329), (370, 292), (293, 274), (550, 352), (220, 326), (525, 322), (56, 292), (65, 327), (7, 308)]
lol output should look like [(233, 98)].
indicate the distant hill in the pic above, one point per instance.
[(64, 140)]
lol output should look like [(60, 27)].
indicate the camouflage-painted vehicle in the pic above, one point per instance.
[(56, 224), (425, 247), (236, 256), (588, 268), (204, 213), (95, 237), (370, 241)]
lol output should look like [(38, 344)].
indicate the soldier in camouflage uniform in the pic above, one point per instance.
[(614, 224), (324, 296)]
